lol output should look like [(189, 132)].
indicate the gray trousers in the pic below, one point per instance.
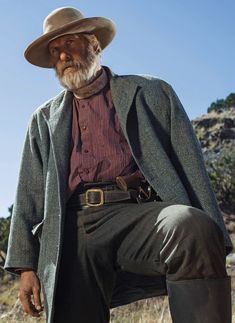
[(155, 238)]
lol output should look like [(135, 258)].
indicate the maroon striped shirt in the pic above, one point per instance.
[(99, 149)]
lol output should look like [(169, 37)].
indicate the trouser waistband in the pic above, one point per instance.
[(100, 193)]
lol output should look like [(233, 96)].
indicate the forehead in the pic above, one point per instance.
[(62, 39)]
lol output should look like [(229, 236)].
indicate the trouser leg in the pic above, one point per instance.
[(85, 280), (188, 248)]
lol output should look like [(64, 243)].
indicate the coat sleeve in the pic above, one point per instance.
[(23, 246), (189, 163)]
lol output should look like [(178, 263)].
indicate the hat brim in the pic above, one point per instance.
[(37, 53)]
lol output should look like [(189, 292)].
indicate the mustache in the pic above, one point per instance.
[(61, 70)]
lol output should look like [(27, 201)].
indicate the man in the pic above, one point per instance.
[(113, 203)]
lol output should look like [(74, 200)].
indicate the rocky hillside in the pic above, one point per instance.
[(216, 132)]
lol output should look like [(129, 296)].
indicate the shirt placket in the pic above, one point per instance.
[(86, 148)]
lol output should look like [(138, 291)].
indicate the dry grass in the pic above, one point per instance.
[(154, 310)]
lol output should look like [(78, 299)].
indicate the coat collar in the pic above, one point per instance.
[(123, 92), (123, 89)]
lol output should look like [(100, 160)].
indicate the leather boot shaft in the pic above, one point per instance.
[(200, 300)]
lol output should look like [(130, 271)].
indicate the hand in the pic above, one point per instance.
[(29, 293)]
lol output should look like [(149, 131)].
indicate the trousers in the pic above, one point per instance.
[(154, 238)]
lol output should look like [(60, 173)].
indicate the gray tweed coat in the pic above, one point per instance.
[(163, 144)]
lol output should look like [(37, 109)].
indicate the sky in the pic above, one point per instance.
[(189, 44)]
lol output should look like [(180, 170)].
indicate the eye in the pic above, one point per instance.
[(69, 42), (54, 51)]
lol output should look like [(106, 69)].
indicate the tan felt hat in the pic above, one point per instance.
[(63, 21)]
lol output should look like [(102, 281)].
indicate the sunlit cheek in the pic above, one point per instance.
[(59, 69)]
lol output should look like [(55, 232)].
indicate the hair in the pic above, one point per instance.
[(92, 40)]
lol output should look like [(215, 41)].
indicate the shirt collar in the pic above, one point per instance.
[(94, 87)]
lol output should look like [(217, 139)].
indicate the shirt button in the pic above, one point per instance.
[(86, 170), (84, 127), (83, 106), (86, 151)]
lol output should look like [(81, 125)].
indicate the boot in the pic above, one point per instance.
[(200, 300)]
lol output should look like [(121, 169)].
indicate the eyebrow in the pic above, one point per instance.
[(67, 37)]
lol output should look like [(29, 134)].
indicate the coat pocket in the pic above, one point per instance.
[(37, 229)]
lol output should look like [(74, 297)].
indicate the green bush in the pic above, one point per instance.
[(217, 105), (222, 174), (222, 104), (230, 100), (4, 230)]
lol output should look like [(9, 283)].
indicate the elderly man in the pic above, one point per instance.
[(113, 203)]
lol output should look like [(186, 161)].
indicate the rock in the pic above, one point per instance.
[(231, 259), (205, 122), (216, 130), (229, 123), (227, 133)]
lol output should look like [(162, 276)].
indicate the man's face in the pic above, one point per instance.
[(75, 60)]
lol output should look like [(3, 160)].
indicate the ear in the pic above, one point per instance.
[(97, 48)]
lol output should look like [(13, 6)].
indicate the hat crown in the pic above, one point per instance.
[(60, 17)]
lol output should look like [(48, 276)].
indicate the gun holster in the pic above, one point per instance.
[(145, 192)]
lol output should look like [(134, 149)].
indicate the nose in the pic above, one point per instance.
[(65, 56)]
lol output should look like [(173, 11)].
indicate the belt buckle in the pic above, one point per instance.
[(97, 190)]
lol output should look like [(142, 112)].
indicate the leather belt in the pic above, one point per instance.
[(98, 196)]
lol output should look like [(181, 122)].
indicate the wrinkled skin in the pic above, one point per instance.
[(29, 293)]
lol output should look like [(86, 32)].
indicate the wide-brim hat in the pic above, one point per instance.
[(65, 21)]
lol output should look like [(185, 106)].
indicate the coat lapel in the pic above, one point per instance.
[(123, 93), (59, 123)]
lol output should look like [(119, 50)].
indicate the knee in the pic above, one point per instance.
[(193, 244), (185, 223)]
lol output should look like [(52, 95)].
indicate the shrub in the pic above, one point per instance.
[(217, 105), (4, 230), (222, 104), (222, 174), (230, 100)]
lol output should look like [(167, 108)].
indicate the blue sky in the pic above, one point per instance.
[(189, 44)]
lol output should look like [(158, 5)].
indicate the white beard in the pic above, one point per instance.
[(83, 74)]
